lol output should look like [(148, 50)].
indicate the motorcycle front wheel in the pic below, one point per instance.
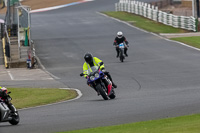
[(121, 56), (15, 119), (102, 92)]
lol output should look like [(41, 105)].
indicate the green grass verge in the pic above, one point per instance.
[(184, 124), (192, 41), (144, 23), (30, 97)]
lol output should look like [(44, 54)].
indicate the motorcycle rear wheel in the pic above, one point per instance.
[(102, 92)]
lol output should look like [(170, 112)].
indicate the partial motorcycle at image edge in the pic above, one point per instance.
[(6, 114), (100, 82)]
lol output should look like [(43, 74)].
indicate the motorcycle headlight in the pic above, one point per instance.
[(9, 99), (92, 78), (96, 75)]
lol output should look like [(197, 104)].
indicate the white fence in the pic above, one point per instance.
[(152, 12)]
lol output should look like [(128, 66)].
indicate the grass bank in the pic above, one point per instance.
[(144, 23), (192, 41), (30, 97), (183, 124)]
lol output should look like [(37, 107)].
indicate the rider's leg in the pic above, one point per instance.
[(125, 51), (109, 76), (11, 107), (117, 49)]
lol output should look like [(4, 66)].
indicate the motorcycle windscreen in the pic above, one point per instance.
[(94, 69)]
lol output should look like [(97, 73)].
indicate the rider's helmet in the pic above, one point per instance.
[(3, 89), (88, 58), (119, 34)]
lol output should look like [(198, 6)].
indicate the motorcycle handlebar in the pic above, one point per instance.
[(117, 46)]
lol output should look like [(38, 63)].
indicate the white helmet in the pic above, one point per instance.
[(119, 34), (3, 89)]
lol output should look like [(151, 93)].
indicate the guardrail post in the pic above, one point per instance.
[(197, 25)]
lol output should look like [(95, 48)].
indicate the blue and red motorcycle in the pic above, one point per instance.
[(100, 82)]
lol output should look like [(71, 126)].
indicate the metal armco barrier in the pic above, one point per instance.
[(152, 12)]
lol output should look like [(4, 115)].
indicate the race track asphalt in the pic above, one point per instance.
[(159, 79)]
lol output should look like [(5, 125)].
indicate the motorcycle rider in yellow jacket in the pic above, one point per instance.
[(91, 61)]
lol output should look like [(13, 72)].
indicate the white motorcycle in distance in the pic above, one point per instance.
[(121, 47)]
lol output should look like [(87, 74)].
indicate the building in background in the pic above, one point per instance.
[(187, 3)]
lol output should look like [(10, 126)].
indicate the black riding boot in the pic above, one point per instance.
[(125, 52)]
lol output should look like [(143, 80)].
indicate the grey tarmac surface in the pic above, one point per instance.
[(159, 79), (23, 77)]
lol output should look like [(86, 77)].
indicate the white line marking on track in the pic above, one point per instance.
[(11, 76), (53, 76), (58, 7), (123, 22), (78, 91), (176, 42)]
